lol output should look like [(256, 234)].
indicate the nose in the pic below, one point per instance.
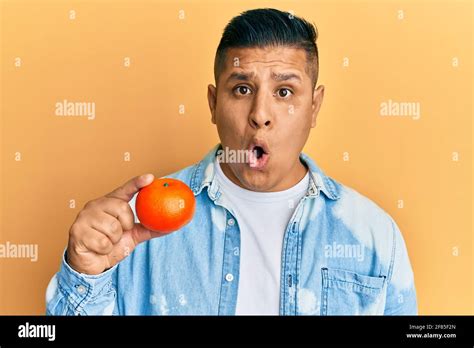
[(260, 116)]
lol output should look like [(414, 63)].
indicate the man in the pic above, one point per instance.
[(270, 235)]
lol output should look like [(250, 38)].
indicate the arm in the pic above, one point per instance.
[(72, 293), (401, 292)]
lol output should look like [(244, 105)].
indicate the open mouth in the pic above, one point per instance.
[(258, 156), (258, 151)]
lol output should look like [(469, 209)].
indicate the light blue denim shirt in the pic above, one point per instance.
[(342, 255)]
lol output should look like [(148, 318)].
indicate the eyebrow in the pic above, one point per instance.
[(286, 77), (240, 76)]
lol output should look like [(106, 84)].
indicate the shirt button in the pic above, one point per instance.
[(231, 222), (81, 289), (229, 277)]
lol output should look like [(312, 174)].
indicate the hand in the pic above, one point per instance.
[(105, 232)]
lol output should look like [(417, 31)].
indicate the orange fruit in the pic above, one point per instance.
[(165, 205)]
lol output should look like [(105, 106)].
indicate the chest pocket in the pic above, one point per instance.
[(348, 293)]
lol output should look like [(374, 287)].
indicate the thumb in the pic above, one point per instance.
[(127, 190)]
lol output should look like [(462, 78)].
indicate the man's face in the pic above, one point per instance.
[(265, 103)]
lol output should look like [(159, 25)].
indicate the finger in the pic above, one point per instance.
[(97, 242), (141, 234), (127, 190), (108, 225), (120, 210)]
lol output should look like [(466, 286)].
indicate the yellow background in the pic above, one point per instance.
[(137, 111)]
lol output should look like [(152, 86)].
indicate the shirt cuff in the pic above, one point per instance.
[(80, 288)]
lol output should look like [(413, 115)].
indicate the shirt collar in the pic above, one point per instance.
[(204, 174)]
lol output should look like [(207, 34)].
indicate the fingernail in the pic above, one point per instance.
[(147, 177)]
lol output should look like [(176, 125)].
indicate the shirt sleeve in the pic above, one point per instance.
[(401, 292), (72, 293)]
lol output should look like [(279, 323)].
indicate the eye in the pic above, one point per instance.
[(242, 90), (284, 92)]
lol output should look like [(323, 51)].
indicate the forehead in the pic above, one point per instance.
[(270, 57)]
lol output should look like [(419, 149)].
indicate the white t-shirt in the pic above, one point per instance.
[(263, 218)]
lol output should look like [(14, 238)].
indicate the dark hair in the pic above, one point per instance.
[(269, 27)]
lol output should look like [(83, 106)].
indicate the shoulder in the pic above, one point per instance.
[(365, 220), (352, 206), (185, 174)]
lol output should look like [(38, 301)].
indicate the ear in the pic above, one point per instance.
[(212, 99), (318, 95)]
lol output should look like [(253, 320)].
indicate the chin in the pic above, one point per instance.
[(255, 180)]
